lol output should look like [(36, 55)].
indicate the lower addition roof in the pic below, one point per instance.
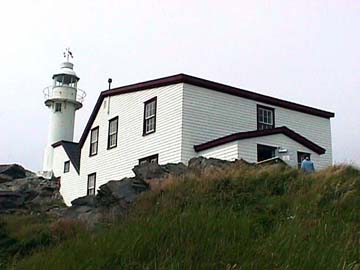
[(72, 150), (260, 133)]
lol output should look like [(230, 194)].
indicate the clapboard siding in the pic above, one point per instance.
[(228, 151), (248, 149), (208, 115), (69, 181), (187, 115), (116, 163)]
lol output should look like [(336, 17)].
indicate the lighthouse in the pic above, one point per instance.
[(63, 98)]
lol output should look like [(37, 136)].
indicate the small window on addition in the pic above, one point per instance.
[(265, 152), (149, 159), (57, 107), (66, 166), (91, 184)]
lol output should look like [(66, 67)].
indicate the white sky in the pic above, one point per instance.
[(303, 51)]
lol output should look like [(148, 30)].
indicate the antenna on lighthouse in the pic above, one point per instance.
[(68, 54)]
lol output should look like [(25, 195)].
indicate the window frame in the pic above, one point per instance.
[(154, 99), (268, 148), (258, 107), (149, 158), (115, 133), (96, 142), (67, 166), (93, 189)]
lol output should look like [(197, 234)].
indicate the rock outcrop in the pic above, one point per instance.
[(23, 190), (10, 172), (114, 198)]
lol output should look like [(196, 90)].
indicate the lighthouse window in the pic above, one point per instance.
[(57, 107), (94, 139), (113, 131)]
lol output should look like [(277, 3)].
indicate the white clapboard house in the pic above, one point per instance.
[(174, 119)]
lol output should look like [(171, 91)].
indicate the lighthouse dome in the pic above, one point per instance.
[(66, 68)]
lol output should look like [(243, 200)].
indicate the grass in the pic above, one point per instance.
[(242, 217)]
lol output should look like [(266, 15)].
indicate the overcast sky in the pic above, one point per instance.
[(303, 51)]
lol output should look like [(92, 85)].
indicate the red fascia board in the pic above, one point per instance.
[(260, 133), (183, 78)]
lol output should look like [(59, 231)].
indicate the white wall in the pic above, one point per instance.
[(187, 115), (248, 149), (228, 151), (70, 181), (116, 163), (209, 115)]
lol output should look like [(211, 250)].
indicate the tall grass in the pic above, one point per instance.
[(242, 217)]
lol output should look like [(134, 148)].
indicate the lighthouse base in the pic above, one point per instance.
[(45, 174)]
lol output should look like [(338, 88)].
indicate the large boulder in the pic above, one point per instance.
[(120, 192), (155, 171), (9, 172), (23, 190), (10, 200), (112, 201), (201, 163)]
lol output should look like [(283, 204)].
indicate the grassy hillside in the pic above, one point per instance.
[(242, 217)]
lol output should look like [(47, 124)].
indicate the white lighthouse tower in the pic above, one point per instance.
[(63, 99)]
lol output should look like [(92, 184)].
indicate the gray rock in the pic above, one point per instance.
[(11, 200), (201, 163), (39, 195), (24, 190), (155, 171), (84, 201), (115, 191), (13, 171)]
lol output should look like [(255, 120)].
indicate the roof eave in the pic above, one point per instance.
[(261, 133)]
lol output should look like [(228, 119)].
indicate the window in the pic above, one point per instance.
[(94, 139), (66, 166), (149, 116), (149, 159), (91, 184), (300, 157), (265, 152), (57, 107), (113, 131), (265, 117)]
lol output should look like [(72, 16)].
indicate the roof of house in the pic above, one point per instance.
[(183, 78), (260, 133), (73, 151)]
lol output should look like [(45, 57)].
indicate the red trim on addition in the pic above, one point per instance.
[(259, 133)]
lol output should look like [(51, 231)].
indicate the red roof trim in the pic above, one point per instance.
[(183, 78), (259, 133)]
